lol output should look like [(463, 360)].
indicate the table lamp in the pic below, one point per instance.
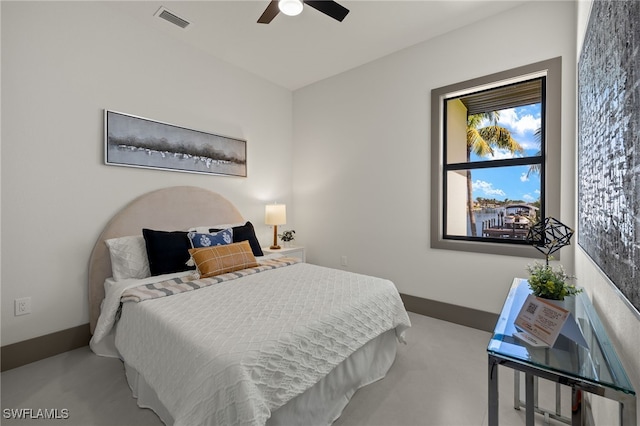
[(275, 214)]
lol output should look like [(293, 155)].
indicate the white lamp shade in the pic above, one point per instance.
[(290, 7), (275, 214)]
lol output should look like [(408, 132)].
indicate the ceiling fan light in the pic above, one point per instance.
[(290, 7)]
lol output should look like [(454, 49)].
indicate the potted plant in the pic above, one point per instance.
[(550, 283), (287, 236)]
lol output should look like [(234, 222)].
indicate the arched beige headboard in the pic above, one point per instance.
[(169, 209)]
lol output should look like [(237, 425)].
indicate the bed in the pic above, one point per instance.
[(273, 341)]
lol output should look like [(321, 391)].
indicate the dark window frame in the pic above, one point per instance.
[(550, 72)]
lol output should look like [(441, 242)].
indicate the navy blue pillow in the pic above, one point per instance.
[(167, 252), (218, 238), (245, 232)]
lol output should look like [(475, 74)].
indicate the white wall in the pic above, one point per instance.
[(622, 325), (362, 155), (62, 64)]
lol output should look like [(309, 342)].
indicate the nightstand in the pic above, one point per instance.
[(287, 251)]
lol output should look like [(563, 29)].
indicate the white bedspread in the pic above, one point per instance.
[(232, 353)]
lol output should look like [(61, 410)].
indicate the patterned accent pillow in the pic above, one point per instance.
[(244, 232), (213, 239), (218, 260), (128, 257)]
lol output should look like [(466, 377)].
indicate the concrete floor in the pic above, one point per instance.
[(439, 378)]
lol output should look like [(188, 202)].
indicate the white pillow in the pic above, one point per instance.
[(128, 257)]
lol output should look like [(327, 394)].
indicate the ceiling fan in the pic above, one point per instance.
[(294, 7)]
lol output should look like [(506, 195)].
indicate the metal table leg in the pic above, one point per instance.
[(529, 399), (628, 411), (493, 391), (576, 407), (516, 389)]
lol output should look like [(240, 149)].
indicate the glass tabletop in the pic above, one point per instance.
[(598, 363)]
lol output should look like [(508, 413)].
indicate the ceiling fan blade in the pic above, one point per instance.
[(269, 13), (331, 8)]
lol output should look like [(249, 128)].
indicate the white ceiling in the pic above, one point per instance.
[(296, 51)]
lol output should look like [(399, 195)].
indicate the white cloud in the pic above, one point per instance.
[(524, 177), (510, 119), (529, 144), (531, 198), (522, 129), (487, 188)]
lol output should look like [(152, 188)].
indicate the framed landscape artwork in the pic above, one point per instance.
[(140, 142), (609, 144)]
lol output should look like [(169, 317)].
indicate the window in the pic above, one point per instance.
[(495, 159)]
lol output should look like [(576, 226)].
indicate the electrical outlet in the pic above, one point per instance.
[(23, 306), (343, 261)]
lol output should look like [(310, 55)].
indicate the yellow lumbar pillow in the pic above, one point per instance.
[(217, 260)]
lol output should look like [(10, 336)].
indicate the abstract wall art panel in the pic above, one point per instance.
[(140, 142), (609, 143)]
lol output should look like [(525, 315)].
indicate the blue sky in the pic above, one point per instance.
[(512, 182)]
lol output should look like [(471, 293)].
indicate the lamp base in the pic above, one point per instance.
[(275, 245)]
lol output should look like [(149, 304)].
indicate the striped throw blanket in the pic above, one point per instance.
[(190, 283)]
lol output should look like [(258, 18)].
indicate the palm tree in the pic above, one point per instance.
[(482, 142), (535, 168)]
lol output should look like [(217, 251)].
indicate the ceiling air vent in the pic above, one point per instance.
[(169, 16)]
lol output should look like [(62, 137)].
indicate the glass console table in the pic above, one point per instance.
[(596, 370)]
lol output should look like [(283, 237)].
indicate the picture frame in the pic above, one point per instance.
[(132, 141)]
